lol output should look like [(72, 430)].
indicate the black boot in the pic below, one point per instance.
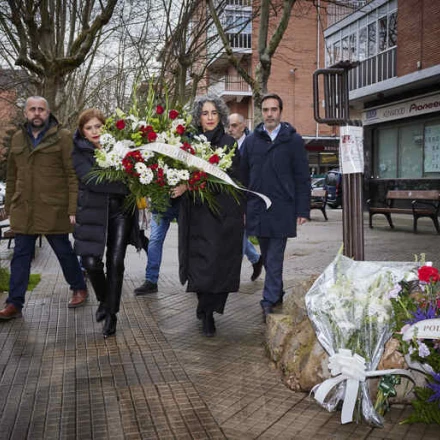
[(208, 325), (101, 312), (109, 325)]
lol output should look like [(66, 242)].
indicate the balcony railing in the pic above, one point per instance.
[(235, 83), (240, 41), (373, 70)]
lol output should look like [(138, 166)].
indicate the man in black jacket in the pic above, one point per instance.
[(274, 162)]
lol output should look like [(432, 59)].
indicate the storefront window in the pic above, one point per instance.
[(411, 151), (387, 157), (432, 150)]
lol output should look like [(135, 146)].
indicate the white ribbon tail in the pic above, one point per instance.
[(196, 162)]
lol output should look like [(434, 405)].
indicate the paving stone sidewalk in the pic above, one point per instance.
[(159, 378)]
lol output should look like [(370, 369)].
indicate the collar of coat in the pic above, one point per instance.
[(81, 142), (286, 132)]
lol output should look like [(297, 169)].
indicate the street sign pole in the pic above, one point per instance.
[(334, 82)]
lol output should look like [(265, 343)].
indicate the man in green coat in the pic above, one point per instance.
[(41, 197)]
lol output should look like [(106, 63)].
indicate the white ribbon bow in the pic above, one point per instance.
[(350, 368)]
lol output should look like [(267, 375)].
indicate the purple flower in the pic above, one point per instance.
[(435, 387), (422, 314)]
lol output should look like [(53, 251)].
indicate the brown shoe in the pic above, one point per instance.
[(10, 312), (78, 298)]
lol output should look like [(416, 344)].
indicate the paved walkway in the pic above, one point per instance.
[(159, 378)]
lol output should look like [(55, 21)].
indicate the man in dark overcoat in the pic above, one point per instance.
[(41, 197), (274, 162)]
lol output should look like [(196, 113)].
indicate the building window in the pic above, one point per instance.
[(432, 150), (366, 37), (409, 151)]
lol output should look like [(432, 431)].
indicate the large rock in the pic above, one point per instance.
[(293, 347)]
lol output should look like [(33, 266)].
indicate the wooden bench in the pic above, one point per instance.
[(6, 233), (319, 201), (423, 203)]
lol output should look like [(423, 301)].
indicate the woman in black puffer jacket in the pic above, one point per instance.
[(101, 221)]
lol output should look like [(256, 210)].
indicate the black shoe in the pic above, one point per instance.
[(109, 325), (147, 287), (208, 325), (267, 310), (258, 267), (100, 313)]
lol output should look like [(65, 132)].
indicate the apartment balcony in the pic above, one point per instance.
[(230, 87), (241, 45), (373, 70)]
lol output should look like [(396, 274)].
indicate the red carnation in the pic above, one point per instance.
[(180, 129), (159, 109), (428, 274), (145, 130), (214, 159), (152, 136), (120, 124), (173, 114), (187, 147)]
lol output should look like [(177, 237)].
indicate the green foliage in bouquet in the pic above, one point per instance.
[(153, 148), (425, 410)]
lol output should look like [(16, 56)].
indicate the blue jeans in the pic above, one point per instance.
[(272, 251), (249, 250), (24, 250), (160, 223)]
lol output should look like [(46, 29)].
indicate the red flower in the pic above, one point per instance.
[(152, 136), (173, 114), (214, 159), (180, 129), (120, 124), (159, 109), (145, 130), (428, 274), (187, 147)]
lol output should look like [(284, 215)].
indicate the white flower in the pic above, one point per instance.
[(146, 176), (423, 349), (140, 167), (394, 292)]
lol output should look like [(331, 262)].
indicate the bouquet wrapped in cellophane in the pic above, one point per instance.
[(351, 313)]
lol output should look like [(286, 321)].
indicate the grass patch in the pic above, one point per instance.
[(34, 279)]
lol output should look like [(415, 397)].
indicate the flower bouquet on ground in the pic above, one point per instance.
[(351, 313), (152, 150), (416, 305)]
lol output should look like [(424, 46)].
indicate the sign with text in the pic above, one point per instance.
[(351, 149), (426, 329), (403, 109)]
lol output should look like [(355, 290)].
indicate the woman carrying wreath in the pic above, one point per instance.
[(102, 222), (210, 240)]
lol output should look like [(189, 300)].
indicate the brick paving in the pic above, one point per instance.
[(159, 378)]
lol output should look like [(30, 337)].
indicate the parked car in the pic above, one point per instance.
[(318, 182), (333, 185)]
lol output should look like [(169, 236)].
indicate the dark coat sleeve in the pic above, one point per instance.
[(84, 164)]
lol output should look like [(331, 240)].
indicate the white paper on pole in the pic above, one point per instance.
[(351, 149)]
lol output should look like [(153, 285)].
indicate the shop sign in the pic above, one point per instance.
[(404, 109)]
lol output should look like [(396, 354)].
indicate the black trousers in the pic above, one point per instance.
[(108, 285)]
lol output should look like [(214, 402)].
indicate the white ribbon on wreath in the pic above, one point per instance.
[(193, 161)]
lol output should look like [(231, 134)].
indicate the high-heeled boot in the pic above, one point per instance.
[(109, 328), (101, 312)]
